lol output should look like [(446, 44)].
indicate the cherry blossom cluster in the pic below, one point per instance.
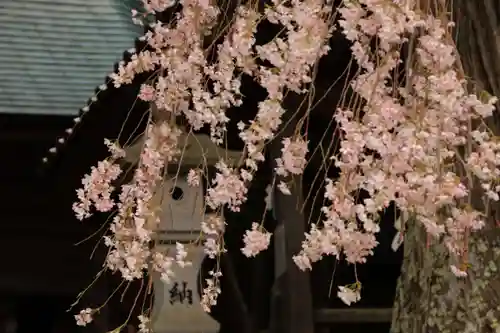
[(308, 27), (292, 161), (97, 189), (256, 241)]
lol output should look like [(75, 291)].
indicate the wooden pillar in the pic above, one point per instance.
[(291, 308)]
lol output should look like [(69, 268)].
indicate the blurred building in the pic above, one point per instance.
[(53, 55)]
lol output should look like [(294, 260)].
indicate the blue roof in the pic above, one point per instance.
[(53, 53)]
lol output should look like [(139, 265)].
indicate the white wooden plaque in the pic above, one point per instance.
[(177, 306)]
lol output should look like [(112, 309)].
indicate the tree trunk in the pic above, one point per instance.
[(429, 298)]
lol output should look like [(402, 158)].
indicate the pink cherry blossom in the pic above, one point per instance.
[(256, 241)]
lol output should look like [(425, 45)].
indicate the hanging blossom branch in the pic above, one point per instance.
[(402, 146), (181, 89), (416, 141)]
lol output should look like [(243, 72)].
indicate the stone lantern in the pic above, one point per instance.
[(177, 305)]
